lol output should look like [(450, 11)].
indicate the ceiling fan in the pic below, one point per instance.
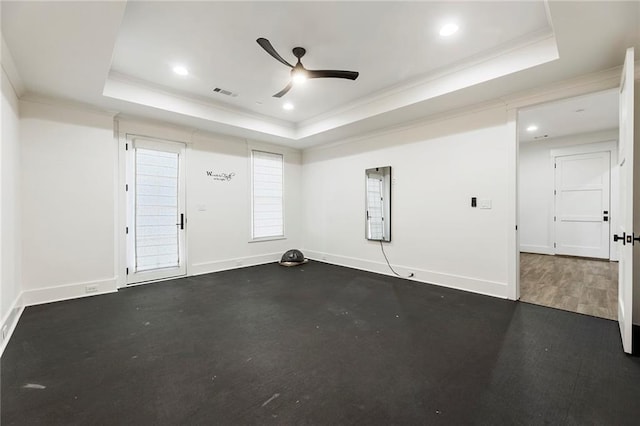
[(299, 72)]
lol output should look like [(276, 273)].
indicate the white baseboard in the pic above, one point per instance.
[(10, 321), (537, 249), (474, 285), (68, 291), (239, 262)]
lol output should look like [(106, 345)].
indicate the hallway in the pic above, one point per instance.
[(586, 286)]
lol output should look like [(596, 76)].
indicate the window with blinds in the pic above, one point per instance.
[(156, 236), (267, 194)]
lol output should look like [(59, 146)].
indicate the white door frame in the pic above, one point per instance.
[(124, 145), (610, 146), (513, 168), (629, 198)]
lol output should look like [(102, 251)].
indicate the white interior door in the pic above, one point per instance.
[(156, 206), (625, 232), (582, 204)]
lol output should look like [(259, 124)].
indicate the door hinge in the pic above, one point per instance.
[(554, 192), (127, 271), (126, 230), (555, 166), (126, 187), (554, 218), (516, 227), (554, 245), (126, 147)]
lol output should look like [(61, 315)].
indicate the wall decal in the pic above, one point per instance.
[(224, 177)]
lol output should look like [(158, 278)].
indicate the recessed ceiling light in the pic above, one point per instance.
[(448, 29), (532, 128), (288, 106), (180, 70)]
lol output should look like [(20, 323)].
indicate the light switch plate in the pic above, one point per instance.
[(484, 204)]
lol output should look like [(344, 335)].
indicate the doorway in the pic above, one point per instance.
[(568, 192), (155, 210)]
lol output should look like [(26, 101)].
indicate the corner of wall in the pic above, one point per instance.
[(9, 68), (9, 322)]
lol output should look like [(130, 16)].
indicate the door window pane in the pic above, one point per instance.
[(156, 211)]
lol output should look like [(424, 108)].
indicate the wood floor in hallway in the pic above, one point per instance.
[(586, 286)]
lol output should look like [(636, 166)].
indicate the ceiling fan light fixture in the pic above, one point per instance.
[(299, 76), (298, 72)]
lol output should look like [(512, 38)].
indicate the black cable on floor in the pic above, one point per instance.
[(390, 267)]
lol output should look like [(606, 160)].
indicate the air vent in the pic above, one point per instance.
[(540, 137), (225, 92)]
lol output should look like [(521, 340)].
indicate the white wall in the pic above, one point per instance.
[(223, 229), (10, 238), (69, 160), (219, 213), (73, 198), (536, 184), (437, 167)]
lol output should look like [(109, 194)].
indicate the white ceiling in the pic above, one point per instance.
[(397, 42), (118, 56), (582, 114)]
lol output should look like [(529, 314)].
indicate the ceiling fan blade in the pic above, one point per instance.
[(283, 91), (350, 75), (266, 45)]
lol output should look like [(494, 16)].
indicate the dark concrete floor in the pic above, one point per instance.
[(316, 344)]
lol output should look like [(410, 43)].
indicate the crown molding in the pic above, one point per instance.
[(35, 98), (526, 53), (581, 85), (126, 88)]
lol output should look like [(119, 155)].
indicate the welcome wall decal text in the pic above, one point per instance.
[(223, 177)]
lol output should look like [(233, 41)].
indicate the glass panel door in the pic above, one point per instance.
[(156, 222)]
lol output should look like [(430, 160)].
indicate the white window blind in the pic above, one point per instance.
[(267, 190), (156, 209)]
